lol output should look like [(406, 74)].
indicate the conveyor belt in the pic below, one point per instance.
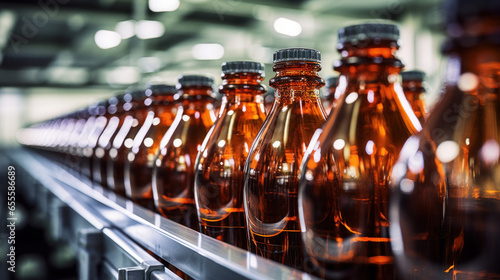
[(111, 234)]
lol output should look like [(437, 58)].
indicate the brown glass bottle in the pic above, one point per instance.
[(71, 144), (89, 141), (447, 191), (140, 158), (272, 166), (126, 108), (135, 114), (329, 98), (414, 90), (219, 165), (173, 172), (344, 179), (82, 138), (114, 121)]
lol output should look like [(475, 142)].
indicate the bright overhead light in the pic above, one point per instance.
[(163, 5), (207, 51), (287, 27), (148, 29), (106, 39), (126, 29)]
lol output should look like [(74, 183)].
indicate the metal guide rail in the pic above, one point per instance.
[(111, 234)]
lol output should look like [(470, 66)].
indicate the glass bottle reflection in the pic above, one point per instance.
[(173, 172), (344, 190), (272, 166), (413, 87), (446, 200), (89, 140), (220, 162), (135, 114), (140, 158), (114, 111)]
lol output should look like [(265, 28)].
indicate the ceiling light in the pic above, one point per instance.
[(126, 29), (163, 5), (287, 27), (106, 39), (148, 29), (207, 51)]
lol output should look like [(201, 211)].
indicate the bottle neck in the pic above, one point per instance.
[(195, 91), (369, 63), (383, 49), (296, 80), (413, 88), (162, 99), (241, 87)]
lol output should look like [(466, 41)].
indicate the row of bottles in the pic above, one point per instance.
[(357, 190)]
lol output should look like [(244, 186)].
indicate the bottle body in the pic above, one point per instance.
[(140, 158), (452, 168), (123, 142), (173, 172), (99, 159), (344, 179), (90, 140), (345, 186), (220, 162), (271, 170)]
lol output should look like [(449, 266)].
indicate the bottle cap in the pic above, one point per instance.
[(161, 89), (362, 32), (332, 81), (138, 94), (242, 66), (414, 75), (194, 80), (101, 107), (296, 54), (126, 97)]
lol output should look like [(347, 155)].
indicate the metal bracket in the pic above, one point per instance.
[(57, 212), (140, 272), (89, 253)]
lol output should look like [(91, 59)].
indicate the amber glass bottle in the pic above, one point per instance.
[(219, 173), (135, 114), (72, 142), (328, 97), (89, 140), (82, 138), (69, 140), (173, 172), (446, 200), (413, 87), (344, 190), (272, 166), (114, 121), (125, 108), (140, 158)]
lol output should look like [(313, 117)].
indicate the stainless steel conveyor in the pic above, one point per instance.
[(112, 235)]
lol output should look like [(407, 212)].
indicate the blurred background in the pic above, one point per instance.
[(60, 55)]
